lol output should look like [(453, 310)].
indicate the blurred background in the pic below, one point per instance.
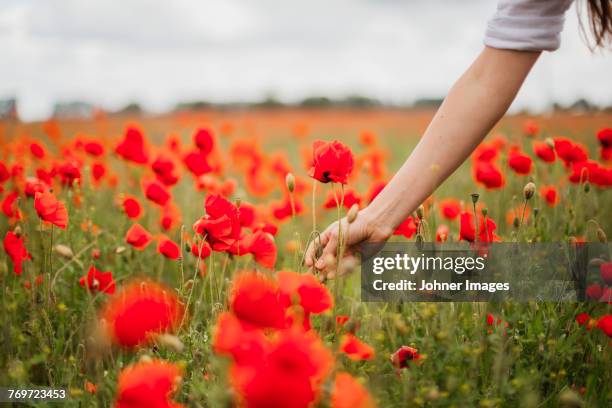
[(75, 57)]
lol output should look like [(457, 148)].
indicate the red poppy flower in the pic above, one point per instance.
[(531, 128), (594, 291), (34, 185), (4, 173), (246, 214), (550, 195), (442, 233), (37, 150), (289, 375), (407, 228), (131, 207), (261, 245), (16, 250), (519, 162), (355, 349), (204, 140), (488, 174), (544, 151), (570, 151), (486, 152), (98, 170), (591, 171), (332, 161), (197, 163), (157, 193), (312, 296), (94, 149), (170, 217), (97, 280), (605, 324), (221, 224), (163, 168), (202, 249), (50, 209), (148, 384), (132, 147), (255, 299), (486, 231), (69, 173), (605, 140), (349, 393), (583, 318), (403, 356), (168, 248), (450, 208), (140, 310), (9, 205), (350, 197), (283, 210), (341, 320), (247, 345), (138, 237), (605, 271)]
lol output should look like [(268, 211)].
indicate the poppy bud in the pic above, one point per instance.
[(485, 211), (601, 235), (145, 358), (516, 222), (529, 190), (170, 342), (475, 197), (64, 251), (351, 216), (420, 211), (290, 182), (536, 211), (549, 142), (17, 231), (238, 202), (119, 249), (587, 187)]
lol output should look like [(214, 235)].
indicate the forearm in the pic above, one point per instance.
[(473, 106)]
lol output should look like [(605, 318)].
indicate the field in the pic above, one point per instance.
[(157, 262)]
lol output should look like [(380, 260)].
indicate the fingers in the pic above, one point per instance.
[(329, 252), (313, 247)]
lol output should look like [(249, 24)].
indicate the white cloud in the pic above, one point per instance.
[(162, 52)]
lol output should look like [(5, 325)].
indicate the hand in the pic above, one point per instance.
[(364, 229)]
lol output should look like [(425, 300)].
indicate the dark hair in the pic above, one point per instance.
[(600, 22)]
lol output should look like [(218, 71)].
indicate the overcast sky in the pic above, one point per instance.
[(159, 52)]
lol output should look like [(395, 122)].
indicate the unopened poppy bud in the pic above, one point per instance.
[(475, 197), (587, 187), (529, 190), (145, 358), (238, 202), (17, 231), (290, 182), (516, 222), (119, 249), (485, 211), (549, 142), (420, 212), (170, 342), (351, 216), (601, 235), (64, 251), (536, 211)]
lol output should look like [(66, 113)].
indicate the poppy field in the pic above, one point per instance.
[(158, 261)]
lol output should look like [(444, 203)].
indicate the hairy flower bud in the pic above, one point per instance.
[(529, 190), (290, 181), (63, 250), (475, 197)]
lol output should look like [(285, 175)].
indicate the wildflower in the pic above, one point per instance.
[(605, 324), (604, 136), (583, 318), (140, 310), (529, 190), (197, 163), (168, 248), (605, 271), (488, 174), (550, 195), (545, 152), (132, 147), (332, 161), (9, 205), (138, 237), (163, 168), (148, 384), (486, 231), (94, 149), (442, 233), (50, 209), (570, 151), (402, 357), (261, 245), (519, 162), (131, 207), (355, 349), (37, 150), (157, 193), (220, 225), (312, 296), (407, 228), (255, 299), (349, 393), (16, 250), (204, 140), (450, 208), (594, 291), (97, 280)]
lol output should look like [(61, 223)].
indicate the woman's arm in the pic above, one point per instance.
[(473, 106)]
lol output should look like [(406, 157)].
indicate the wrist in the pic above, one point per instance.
[(376, 223)]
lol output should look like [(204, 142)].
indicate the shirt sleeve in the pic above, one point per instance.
[(528, 25)]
